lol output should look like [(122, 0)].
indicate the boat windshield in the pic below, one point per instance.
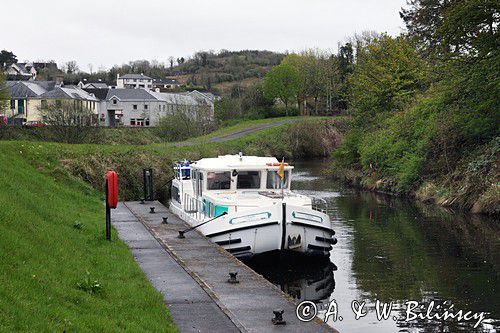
[(248, 180), (219, 180), (274, 180)]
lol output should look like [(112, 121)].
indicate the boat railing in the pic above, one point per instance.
[(194, 206), (320, 205)]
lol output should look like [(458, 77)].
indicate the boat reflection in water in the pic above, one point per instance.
[(299, 277)]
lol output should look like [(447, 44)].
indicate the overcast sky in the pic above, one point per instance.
[(105, 33)]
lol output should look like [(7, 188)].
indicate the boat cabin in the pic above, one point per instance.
[(230, 179)]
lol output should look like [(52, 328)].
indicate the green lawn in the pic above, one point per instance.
[(43, 257)]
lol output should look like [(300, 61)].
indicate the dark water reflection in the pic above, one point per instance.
[(396, 250)]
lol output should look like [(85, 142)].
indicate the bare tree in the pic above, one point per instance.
[(71, 67), (69, 121), (171, 60)]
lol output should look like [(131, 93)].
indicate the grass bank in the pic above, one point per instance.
[(57, 272), (123, 135), (315, 137), (466, 180)]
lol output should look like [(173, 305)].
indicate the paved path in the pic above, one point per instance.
[(192, 275), (240, 133), (190, 306)]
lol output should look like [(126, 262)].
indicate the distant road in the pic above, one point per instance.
[(243, 132)]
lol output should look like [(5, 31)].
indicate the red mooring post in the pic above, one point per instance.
[(111, 199)]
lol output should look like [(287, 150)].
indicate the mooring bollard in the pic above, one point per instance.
[(181, 234), (278, 317), (151, 210), (142, 202), (165, 220), (233, 277), (148, 184)]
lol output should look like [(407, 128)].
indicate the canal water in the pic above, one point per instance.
[(394, 250)]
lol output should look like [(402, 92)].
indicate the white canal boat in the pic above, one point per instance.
[(244, 204)]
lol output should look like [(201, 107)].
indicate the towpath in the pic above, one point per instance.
[(243, 132)]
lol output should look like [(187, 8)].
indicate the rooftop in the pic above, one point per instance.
[(135, 76), (166, 81), (68, 92), (124, 94), (230, 162)]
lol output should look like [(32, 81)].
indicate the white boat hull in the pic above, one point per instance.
[(279, 227)]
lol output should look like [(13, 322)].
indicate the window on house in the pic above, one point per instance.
[(20, 106), (145, 106), (44, 103), (218, 180), (58, 103), (146, 121), (134, 106), (132, 122), (12, 104), (115, 101), (248, 180)]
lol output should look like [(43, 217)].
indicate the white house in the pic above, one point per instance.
[(21, 71), (92, 85), (134, 81), (28, 97), (166, 83), (144, 108)]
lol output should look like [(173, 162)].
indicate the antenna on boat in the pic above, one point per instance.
[(241, 156)]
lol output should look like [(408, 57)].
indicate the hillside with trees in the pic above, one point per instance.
[(225, 71)]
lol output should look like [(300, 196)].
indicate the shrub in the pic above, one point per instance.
[(89, 285), (179, 126), (70, 123)]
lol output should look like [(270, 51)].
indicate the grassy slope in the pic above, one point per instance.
[(43, 256), (128, 135)]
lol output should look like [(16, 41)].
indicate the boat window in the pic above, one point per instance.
[(218, 180), (200, 184), (175, 194), (248, 180), (274, 180)]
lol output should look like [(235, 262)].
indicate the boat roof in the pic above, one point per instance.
[(231, 162)]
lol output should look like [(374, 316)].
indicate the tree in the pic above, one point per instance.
[(345, 59), (318, 78), (178, 126), (282, 82), (462, 27), (226, 109), (388, 74), (171, 60), (7, 58), (4, 94), (71, 67), (70, 122)]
